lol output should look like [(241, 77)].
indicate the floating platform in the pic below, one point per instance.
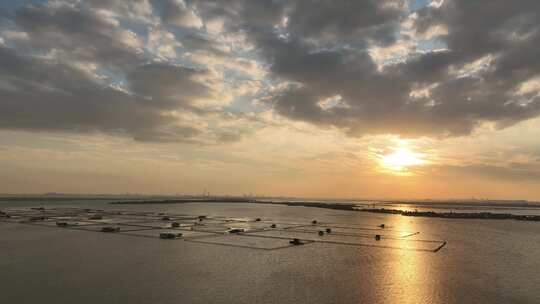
[(253, 233)]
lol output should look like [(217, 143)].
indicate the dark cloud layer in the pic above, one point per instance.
[(48, 79), (79, 34), (321, 49), (39, 94), (343, 21), (167, 85)]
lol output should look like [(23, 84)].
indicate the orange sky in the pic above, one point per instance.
[(278, 161), (367, 99)]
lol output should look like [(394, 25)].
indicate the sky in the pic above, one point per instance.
[(402, 99)]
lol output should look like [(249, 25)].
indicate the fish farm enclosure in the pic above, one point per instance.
[(250, 233)]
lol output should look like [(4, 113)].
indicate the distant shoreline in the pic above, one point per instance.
[(450, 215), (345, 207), (185, 201)]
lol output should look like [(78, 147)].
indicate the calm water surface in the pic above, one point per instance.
[(485, 261)]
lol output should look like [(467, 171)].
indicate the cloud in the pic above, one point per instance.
[(78, 34), (343, 22), (40, 94), (322, 49), (177, 13), (70, 66), (461, 64), (167, 86)]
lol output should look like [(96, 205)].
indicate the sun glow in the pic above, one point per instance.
[(401, 159)]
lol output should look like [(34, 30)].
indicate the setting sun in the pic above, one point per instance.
[(401, 159)]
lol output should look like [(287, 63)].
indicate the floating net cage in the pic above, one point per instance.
[(252, 233)]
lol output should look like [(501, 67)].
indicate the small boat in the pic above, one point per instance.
[(258, 219), (314, 222), (110, 229), (37, 218), (273, 226), (236, 230), (66, 224), (175, 225), (328, 230), (169, 235), (296, 242), (165, 218), (381, 226), (377, 237), (321, 233), (96, 217)]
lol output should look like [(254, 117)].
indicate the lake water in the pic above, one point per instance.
[(484, 261)]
